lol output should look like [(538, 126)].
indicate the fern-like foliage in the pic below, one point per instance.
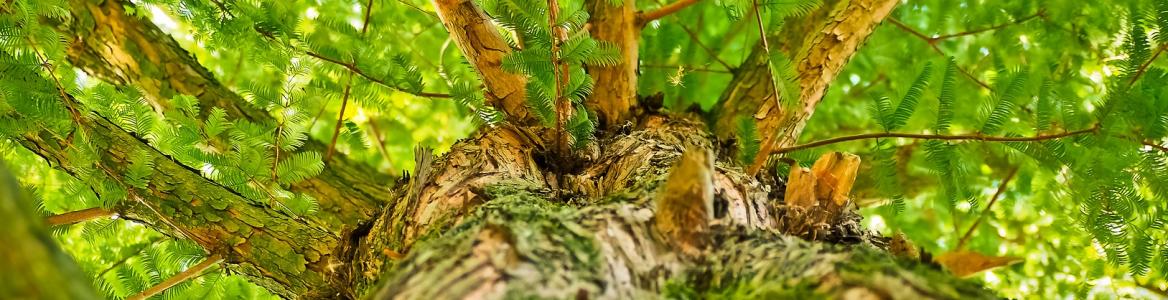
[(749, 141), (1002, 105), (528, 19)]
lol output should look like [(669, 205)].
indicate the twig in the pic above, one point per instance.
[(1041, 12), (353, 68), (709, 51), (223, 8), (1144, 67), (998, 194), (123, 260), (975, 137), (348, 86), (1155, 145), (44, 60), (646, 17), (380, 141), (688, 68), (178, 278), (340, 117), (79, 216), (933, 44)]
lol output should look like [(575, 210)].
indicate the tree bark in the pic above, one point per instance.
[(494, 217), (835, 35), (484, 49), (130, 51), (616, 24)]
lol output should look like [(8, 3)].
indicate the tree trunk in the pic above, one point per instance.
[(493, 217)]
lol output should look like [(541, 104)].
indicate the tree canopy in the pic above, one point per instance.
[(1031, 129)]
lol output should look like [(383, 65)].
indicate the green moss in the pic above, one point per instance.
[(545, 236)]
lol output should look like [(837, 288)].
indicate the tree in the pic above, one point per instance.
[(615, 150)]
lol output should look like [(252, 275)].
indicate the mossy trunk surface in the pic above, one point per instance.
[(500, 215)]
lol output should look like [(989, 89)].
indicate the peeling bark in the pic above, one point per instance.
[(616, 24), (830, 36), (484, 48)]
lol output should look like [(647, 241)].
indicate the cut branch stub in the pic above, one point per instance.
[(685, 206), (835, 173), (827, 183), (801, 188)]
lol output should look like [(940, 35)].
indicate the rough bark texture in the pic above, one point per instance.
[(484, 48), (130, 51), (820, 56), (523, 241), (287, 255), (32, 264), (751, 84), (495, 216), (616, 24)]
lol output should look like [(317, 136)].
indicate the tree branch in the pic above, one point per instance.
[(357, 70), (713, 54), (79, 216), (482, 46), (828, 48), (997, 195), (661, 12), (348, 192), (933, 44), (1144, 67), (973, 137), (616, 24), (178, 278)]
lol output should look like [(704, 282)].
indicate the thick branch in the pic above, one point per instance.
[(286, 254), (617, 25), (661, 12), (127, 50), (178, 278), (818, 62), (483, 47), (79, 216), (974, 137), (752, 82)]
